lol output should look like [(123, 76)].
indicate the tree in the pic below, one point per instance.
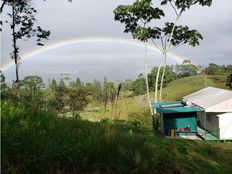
[(76, 84), (23, 26), (186, 70), (138, 86), (58, 96), (31, 92), (111, 91), (53, 86), (169, 76), (97, 90), (213, 69), (3, 87), (229, 81), (78, 100), (139, 21)]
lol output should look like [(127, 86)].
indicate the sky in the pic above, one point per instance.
[(87, 42)]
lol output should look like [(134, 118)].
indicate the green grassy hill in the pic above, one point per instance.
[(136, 107), (182, 87)]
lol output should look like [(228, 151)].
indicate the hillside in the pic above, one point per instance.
[(49, 144), (136, 107), (182, 87)]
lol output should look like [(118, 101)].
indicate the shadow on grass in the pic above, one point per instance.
[(50, 144)]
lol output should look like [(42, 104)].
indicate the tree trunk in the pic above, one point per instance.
[(157, 77), (146, 78), (2, 6), (162, 78), (166, 49), (15, 48)]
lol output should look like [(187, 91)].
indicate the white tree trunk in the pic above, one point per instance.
[(157, 78), (162, 78), (165, 51), (146, 78)]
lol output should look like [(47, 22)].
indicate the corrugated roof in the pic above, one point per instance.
[(211, 97), (176, 109)]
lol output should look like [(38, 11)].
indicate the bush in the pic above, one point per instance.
[(144, 118)]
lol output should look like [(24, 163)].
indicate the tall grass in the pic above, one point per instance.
[(51, 144)]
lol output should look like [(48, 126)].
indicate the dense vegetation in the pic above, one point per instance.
[(72, 97), (37, 136), (51, 144), (177, 72)]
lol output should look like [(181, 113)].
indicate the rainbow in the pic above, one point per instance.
[(76, 41)]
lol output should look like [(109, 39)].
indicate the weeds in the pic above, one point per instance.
[(51, 144)]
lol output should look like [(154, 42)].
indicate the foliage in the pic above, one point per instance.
[(106, 121), (50, 144), (169, 76), (23, 27), (138, 86), (213, 69), (140, 11), (3, 87), (229, 81), (31, 93), (140, 20), (185, 70), (137, 16), (78, 100), (97, 91), (134, 123)]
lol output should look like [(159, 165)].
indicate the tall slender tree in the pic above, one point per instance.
[(23, 26), (139, 19)]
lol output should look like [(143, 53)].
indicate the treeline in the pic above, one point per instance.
[(176, 72), (214, 69), (65, 95), (60, 96)]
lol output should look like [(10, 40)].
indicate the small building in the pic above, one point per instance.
[(178, 116), (216, 118)]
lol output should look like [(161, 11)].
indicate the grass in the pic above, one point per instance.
[(50, 144), (127, 108), (120, 110), (182, 87), (218, 80)]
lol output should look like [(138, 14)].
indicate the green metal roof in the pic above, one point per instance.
[(177, 109)]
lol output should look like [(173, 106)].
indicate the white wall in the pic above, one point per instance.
[(225, 125)]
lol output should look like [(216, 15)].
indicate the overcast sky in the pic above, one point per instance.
[(117, 61)]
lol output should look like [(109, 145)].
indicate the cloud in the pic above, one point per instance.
[(95, 18)]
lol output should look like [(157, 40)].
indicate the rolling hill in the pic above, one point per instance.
[(136, 107)]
